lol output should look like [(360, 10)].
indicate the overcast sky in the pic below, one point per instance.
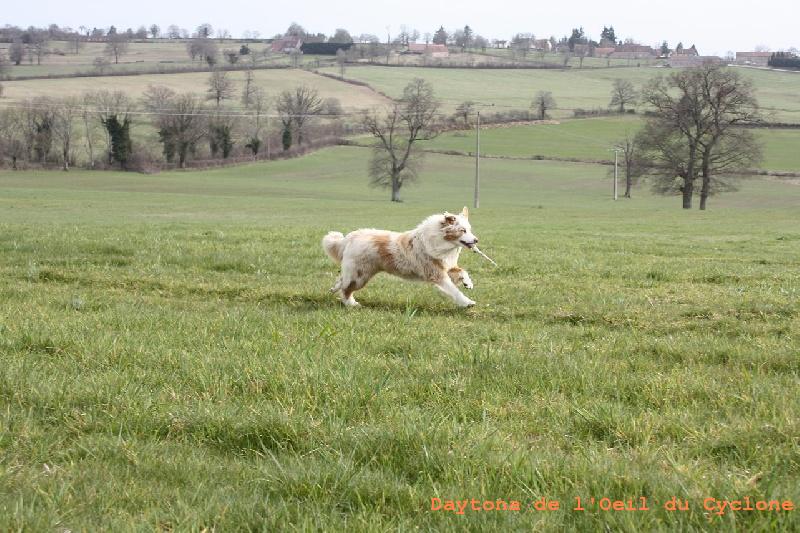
[(715, 26)]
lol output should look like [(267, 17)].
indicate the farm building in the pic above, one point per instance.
[(684, 60), (324, 49), (688, 52), (287, 44), (435, 50), (542, 44), (753, 58), (633, 51), (603, 51)]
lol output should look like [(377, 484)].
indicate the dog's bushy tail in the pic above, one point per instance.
[(333, 244)]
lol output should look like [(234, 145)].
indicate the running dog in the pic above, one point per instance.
[(428, 252)]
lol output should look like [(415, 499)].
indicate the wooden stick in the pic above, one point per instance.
[(478, 251)]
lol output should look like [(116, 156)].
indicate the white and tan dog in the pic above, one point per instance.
[(428, 252)]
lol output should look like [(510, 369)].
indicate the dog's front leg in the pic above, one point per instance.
[(458, 275), (447, 286), (467, 280)]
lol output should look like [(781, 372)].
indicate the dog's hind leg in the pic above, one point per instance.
[(338, 285), (352, 279)]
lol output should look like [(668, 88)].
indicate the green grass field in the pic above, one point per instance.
[(777, 92), (593, 138), (172, 359)]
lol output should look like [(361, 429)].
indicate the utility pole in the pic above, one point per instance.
[(477, 200), (616, 159), (268, 154)]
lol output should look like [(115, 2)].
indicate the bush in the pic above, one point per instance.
[(332, 106)]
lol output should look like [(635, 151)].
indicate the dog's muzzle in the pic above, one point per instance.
[(469, 244)]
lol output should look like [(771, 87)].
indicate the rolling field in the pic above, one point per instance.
[(172, 358), (140, 56), (272, 81), (778, 92), (592, 139)]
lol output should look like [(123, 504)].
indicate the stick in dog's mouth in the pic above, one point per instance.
[(477, 250)]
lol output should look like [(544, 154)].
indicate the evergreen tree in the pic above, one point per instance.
[(286, 137), (440, 37), (120, 134), (608, 34)]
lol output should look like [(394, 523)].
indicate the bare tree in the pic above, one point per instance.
[(622, 93), (12, 140), (77, 43), (65, 113), (38, 46), (231, 55), (180, 126), (464, 112), (295, 56), (89, 125), (341, 60), (203, 49), (726, 148), (155, 31), (173, 32), (542, 103), (581, 51), (297, 107), (4, 68), (633, 169), (395, 159), (204, 31), (258, 105), (117, 46), (220, 87), (101, 65), (250, 88), (695, 131), (16, 52)]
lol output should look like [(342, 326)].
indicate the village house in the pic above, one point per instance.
[(688, 61), (603, 51), (688, 52), (434, 50), (633, 51), (286, 44)]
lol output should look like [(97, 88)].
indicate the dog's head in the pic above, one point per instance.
[(457, 230)]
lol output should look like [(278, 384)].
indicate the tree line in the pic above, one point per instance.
[(46, 131)]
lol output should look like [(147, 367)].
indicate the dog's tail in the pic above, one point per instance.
[(333, 244)]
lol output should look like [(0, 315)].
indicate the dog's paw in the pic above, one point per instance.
[(467, 303)]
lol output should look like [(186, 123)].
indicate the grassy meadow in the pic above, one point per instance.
[(172, 359), (589, 88), (593, 138)]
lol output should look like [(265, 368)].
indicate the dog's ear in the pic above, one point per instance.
[(449, 219), (465, 212)]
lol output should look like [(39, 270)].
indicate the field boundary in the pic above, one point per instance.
[(605, 162)]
